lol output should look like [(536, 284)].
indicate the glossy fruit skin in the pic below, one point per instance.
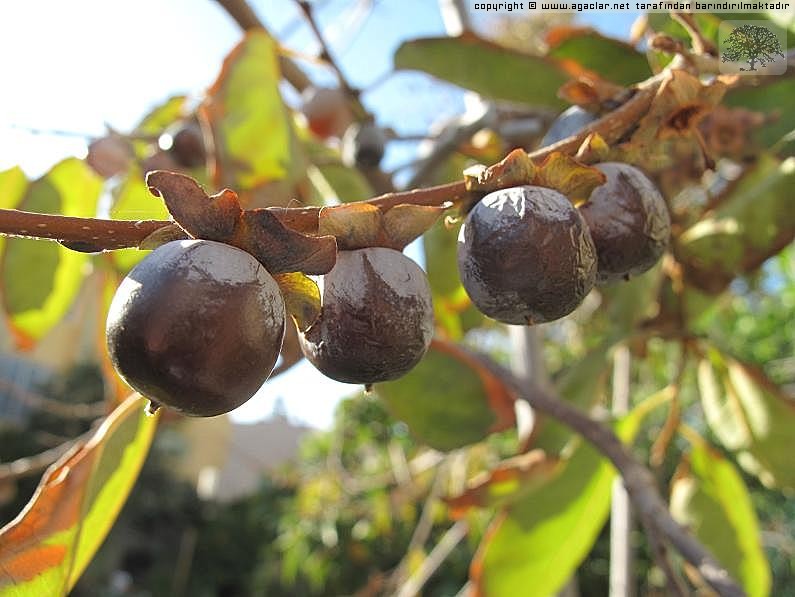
[(376, 321), (629, 223), (569, 123), (525, 255), (196, 326)]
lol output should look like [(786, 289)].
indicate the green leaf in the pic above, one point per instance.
[(711, 499), (449, 399), (753, 223), (750, 416), (41, 278), (248, 119), (486, 68), (769, 97), (611, 59), (13, 184), (48, 546), (452, 307), (133, 201), (536, 544), (332, 181)]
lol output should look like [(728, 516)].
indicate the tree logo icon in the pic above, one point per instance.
[(755, 45)]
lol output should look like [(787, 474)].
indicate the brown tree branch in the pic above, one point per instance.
[(91, 234), (31, 465), (639, 482), (247, 19), (53, 407), (325, 55)]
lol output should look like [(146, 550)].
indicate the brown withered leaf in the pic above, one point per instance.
[(301, 298), (568, 176), (260, 232), (403, 223), (681, 102), (356, 225), (359, 225), (515, 169), (511, 479)]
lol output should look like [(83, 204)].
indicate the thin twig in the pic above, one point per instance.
[(117, 234), (438, 555), (54, 407), (424, 526), (325, 55), (659, 552), (247, 19), (31, 465)]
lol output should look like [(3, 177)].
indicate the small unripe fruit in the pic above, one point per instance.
[(569, 123), (629, 223), (196, 326), (525, 255), (187, 146), (326, 111), (363, 145), (376, 321), (109, 156)]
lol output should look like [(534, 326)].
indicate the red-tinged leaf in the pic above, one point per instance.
[(52, 274), (611, 59), (509, 481), (450, 399), (48, 546), (534, 546), (489, 69), (750, 416), (259, 231), (709, 497), (245, 112)]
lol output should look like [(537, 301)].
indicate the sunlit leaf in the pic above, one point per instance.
[(533, 547), (750, 416), (450, 399), (709, 497), (133, 201), (610, 58), (491, 70), (248, 119), (48, 546), (41, 279)]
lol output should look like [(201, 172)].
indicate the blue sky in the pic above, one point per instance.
[(79, 65)]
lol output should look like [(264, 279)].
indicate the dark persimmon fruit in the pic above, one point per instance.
[(196, 326)]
